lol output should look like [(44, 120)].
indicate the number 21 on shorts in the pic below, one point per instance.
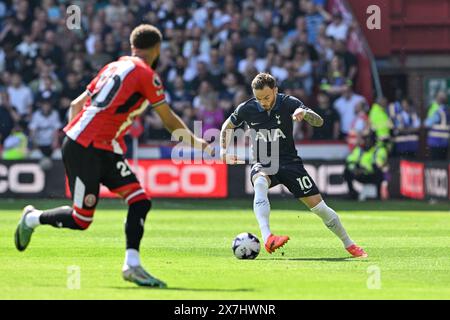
[(124, 169)]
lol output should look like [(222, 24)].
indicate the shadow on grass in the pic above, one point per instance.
[(185, 289), (347, 259)]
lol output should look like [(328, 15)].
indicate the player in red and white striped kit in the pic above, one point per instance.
[(94, 147)]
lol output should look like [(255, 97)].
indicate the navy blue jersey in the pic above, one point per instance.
[(270, 127)]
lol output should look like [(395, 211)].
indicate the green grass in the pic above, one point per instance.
[(187, 244)]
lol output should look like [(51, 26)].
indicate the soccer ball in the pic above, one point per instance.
[(246, 246)]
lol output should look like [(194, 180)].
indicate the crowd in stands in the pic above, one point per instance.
[(210, 53)]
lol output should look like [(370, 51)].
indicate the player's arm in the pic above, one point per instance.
[(179, 130), (300, 112), (304, 113), (226, 135), (77, 104)]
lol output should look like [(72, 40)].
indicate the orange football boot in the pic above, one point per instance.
[(357, 251), (275, 242)]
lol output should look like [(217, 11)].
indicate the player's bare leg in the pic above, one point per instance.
[(261, 207), (332, 221), (132, 270)]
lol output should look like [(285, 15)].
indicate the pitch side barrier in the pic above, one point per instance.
[(165, 179)]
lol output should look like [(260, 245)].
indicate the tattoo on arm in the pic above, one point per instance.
[(226, 134)]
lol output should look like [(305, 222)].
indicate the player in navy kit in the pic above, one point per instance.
[(270, 117)]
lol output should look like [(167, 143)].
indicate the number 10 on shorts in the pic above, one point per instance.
[(305, 182)]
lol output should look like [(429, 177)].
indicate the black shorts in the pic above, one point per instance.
[(293, 175), (87, 168)]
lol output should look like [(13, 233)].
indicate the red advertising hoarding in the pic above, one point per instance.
[(412, 179), (166, 179)]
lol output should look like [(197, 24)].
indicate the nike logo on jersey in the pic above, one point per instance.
[(254, 123), (306, 192)]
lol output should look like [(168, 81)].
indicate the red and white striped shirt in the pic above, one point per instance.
[(121, 91)]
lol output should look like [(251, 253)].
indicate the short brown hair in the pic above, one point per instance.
[(145, 36), (262, 80)]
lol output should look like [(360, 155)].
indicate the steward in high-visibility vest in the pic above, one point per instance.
[(379, 119), (367, 164), (441, 98), (439, 133), (406, 130), (15, 145)]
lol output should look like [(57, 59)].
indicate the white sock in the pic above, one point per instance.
[(32, 219), (332, 221), (261, 206), (132, 258)]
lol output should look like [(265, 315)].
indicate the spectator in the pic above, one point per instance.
[(111, 47), (99, 58), (44, 128), (198, 46), (28, 48), (315, 17), (303, 42), (12, 33), (304, 69), (238, 46), (215, 65), (274, 63), (335, 84), (203, 74), (8, 116), (349, 59), (293, 84), (346, 106), (337, 29), (231, 85), (50, 50), (154, 127), (179, 69), (181, 100), (254, 39), (206, 108), (115, 12), (70, 91), (278, 40), (195, 57), (20, 96), (95, 35), (300, 27), (251, 61), (406, 131), (287, 19), (359, 125), (331, 127)]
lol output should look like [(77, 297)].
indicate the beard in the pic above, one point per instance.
[(155, 63)]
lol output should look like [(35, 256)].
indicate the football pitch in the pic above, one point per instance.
[(188, 245)]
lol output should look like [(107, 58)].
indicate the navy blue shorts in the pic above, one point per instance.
[(293, 175)]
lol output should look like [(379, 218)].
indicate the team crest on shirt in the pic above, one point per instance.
[(89, 200), (278, 118), (156, 81)]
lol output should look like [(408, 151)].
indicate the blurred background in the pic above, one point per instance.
[(393, 82)]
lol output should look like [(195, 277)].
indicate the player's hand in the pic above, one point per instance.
[(230, 158), (208, 148), (299, 114)]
